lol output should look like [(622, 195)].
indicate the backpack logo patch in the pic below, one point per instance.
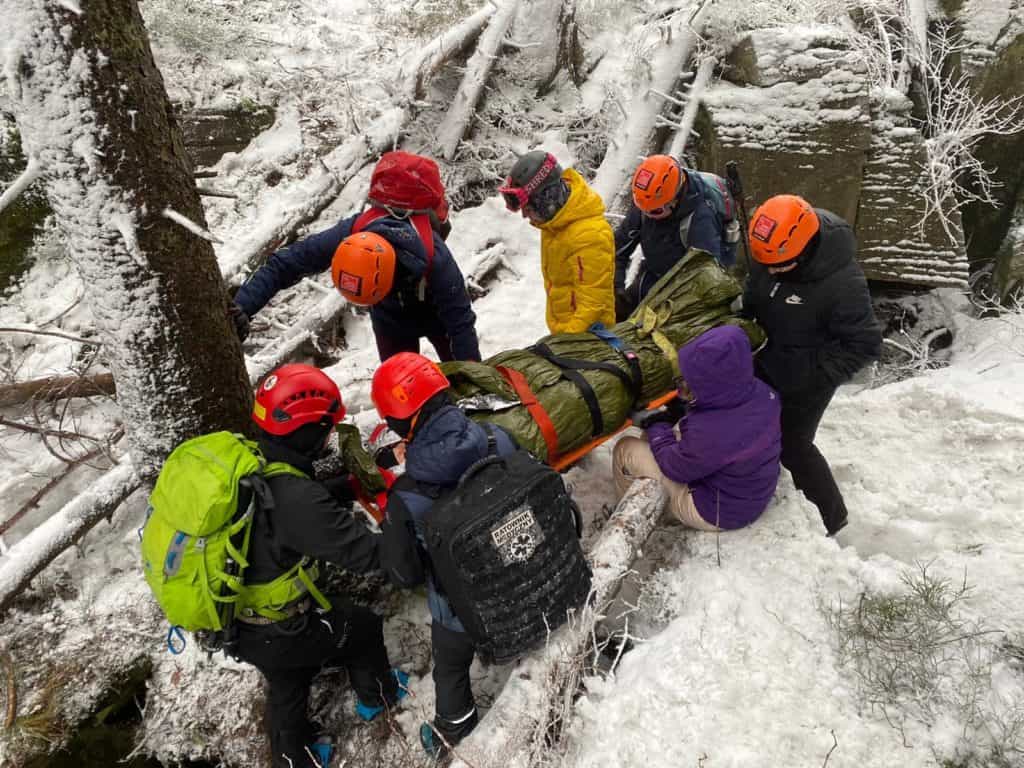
[(350, 283), (643, 179), (517, 537), (763, 228)]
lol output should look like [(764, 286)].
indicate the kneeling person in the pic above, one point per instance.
[(722, 471)]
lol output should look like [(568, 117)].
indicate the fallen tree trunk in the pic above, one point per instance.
[(31, 555), (302, 202), (456, 121), (632, 140), (531, 708), (56, 388)]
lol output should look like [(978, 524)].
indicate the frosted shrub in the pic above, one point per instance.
[(917, 658)]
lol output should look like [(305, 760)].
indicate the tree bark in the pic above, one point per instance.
[(548, 35), (93, 112)]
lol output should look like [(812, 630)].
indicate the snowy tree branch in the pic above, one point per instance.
[(33, 170)]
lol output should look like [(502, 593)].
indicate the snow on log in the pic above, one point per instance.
[(56, 388), (457, 120), (307, 327), (632, 141), (32, 554), (540, 687), (417, 69), (696, 92), (291, 207)]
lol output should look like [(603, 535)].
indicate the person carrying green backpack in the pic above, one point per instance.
[(232, 546)]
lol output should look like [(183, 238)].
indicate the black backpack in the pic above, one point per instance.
[(505, 550)]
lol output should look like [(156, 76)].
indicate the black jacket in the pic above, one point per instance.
[(819, 318), (307, 519), (661, 238)]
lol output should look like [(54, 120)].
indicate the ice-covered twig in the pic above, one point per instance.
[(191, 226), (32, 171), (700, 83)]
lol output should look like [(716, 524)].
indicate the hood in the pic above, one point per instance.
[(718, 367), (445, 447), (836, 248), (583, 203), (409, 248)]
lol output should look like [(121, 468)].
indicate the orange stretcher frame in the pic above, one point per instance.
[(567, 460)]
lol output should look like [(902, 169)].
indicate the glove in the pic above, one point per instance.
[(389, 456), (678, 408), (647, 419), (240, 319)]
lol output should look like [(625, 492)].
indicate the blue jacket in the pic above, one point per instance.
[(661, 240), (440, 452), (731, 440), (443, 311)]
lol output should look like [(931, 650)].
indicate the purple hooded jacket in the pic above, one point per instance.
[(728, 452)]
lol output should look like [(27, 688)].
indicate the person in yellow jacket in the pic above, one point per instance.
[(577, 245)]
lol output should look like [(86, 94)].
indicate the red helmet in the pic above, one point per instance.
[(294, 395), (403, 383)]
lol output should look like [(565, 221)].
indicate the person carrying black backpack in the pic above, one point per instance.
[(411, 394)]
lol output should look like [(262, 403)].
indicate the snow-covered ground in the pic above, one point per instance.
[(738, 660)]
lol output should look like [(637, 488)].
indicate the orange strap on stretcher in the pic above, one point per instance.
[(566, 461), (522, 389)]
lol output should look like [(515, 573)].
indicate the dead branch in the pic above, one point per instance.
[(57, 388), (12, 690), (59, 433), (26, 559), (53, 482), (32, 171), (456, 123), (39, 332), (835, 743), (207, 192)]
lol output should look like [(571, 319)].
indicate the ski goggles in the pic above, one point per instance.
[(516, 198)]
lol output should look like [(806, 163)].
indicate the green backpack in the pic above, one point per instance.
[(195, 542)]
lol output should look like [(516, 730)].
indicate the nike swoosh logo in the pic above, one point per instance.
[(794, 299)]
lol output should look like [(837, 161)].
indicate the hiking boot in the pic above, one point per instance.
[(438, 737), (368, 712), (320, 752)]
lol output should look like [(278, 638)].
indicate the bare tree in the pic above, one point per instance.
[(98, 130)]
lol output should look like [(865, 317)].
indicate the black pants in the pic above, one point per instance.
[(290, 654), (389, 345), (454, 705), (801, 414)]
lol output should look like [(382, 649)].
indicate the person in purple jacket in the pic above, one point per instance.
[(720, 473)]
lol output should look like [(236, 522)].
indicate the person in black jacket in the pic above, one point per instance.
[(424, 291), (672, 210), (304, 521), (808, 292)]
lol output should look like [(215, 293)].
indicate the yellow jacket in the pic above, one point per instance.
[(577, 259)]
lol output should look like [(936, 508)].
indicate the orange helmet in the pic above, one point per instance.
[(781, 228), (657, 182), (403, 383), (363, 268)]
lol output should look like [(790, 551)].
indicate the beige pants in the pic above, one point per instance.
[(633, 459)]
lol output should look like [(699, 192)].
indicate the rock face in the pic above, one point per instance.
[(795, 112), (210, 133)]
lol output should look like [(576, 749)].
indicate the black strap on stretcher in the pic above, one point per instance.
[(571, 367)]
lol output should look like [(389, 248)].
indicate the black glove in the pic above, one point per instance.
[(646, 419), (678, 408), (240, 319), (385, 458)]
